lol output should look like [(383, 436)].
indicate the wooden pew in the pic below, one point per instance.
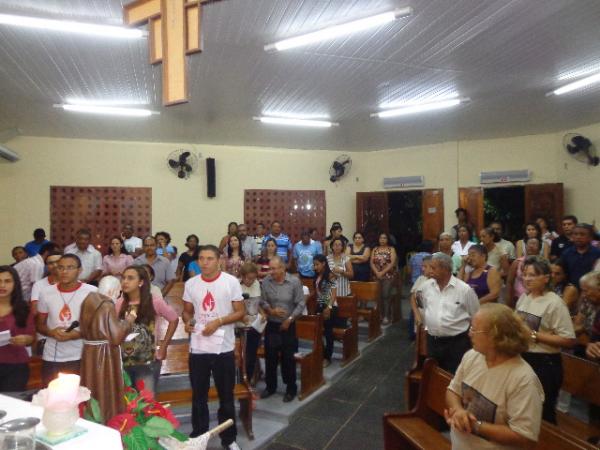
[(35, 373), (368, 292), (311, 301), (176, 363), (419, 428), (310, 328), (414, 374), (175, 297), (347, 336), (581, 378)]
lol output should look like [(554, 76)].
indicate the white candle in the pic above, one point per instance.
[(63, 390)]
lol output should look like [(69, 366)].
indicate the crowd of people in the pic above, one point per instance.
[(492, 309)]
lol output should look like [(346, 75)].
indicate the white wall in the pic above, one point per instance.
[(182, 206)]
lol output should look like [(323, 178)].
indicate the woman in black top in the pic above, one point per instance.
[(191, 242), (360, 257)]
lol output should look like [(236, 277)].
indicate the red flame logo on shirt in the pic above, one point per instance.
[(208, 304)]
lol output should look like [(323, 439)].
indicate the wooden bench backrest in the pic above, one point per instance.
[(175, 297), (553, 438), (365, 290), (581, 378), (310, 328), (347, 308), (176, 361), (432, 393)]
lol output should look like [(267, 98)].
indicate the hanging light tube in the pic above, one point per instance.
[(66, 26), (580, 84), (296, 122), (339, 30), (107, 110), (419, 108)]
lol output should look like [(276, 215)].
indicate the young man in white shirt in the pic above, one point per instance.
[(133, 244), (59, 307), (213, 304), (448, 305), (91, 259)]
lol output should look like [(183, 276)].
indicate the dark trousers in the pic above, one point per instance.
[(50, 369), (13, 377), (448, 351), (281, 345), (252, 344), (222, 367), (328, 325), (548, 368)]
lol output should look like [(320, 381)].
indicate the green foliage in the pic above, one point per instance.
[(179, 436), (126, 379), (136, 439), (157, 426)]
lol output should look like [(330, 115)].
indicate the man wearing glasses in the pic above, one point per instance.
[(58, 308), (448, 305)]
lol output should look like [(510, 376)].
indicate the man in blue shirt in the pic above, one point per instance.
[(416, 262), (303, 253), (581, 257), (39, 238), (284, 244)]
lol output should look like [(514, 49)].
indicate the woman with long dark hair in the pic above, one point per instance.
[(268, 252), (231, 230), (15, 317), (532, 230), (360, 257), (117, 260), (233, 258), (383, 267), (325, 291), (141, 360)]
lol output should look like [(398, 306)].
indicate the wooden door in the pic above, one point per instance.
[(372, 215), (544, 200), (471, 199), (433, 214)]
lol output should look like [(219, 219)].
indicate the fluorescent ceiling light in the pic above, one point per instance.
[(296, 122), (592, 79), (64, 26), (107, 110), (419, 108), (340, 30)]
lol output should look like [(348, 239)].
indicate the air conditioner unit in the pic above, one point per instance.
[(9, 155), (404, 182), (506, 176)]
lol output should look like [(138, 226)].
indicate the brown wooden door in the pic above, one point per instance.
[(372, 214), (544, 200), (433, 214), (471, 199)]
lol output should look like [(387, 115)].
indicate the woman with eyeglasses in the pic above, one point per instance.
[(551, 330), (495, 399)]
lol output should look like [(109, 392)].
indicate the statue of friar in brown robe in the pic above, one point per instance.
[(101, 368)]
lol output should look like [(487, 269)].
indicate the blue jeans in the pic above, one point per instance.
[(149, 373)]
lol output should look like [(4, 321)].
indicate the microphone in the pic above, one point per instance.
[(72, 326)]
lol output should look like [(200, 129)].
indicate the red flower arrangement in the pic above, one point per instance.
[(143, 422)]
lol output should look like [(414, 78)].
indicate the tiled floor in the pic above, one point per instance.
[(348, 415)]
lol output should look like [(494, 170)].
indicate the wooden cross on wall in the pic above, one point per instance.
[(174, 28)]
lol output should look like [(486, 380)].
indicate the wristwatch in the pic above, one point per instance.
[(477, 426)]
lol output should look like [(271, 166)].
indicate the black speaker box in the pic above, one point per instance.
[(211, 180)]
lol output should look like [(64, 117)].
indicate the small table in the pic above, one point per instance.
[(98, 437)]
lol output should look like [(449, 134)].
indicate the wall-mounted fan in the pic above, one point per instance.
[(580, 148), (339, 168), (182, 162)]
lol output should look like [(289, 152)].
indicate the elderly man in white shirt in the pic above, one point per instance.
[(91, 259), (448, 305)]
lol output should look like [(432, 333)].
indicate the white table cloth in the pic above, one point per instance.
[(98, 437)]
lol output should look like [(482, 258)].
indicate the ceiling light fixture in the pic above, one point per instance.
[(64, 26), (107, 110), (296, 122), (592, 79), (339, 30), (419, 108)]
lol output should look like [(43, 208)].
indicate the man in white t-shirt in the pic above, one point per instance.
[(31, 269), (52, 278), (213, 304), (58, 307), (133, 244)]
